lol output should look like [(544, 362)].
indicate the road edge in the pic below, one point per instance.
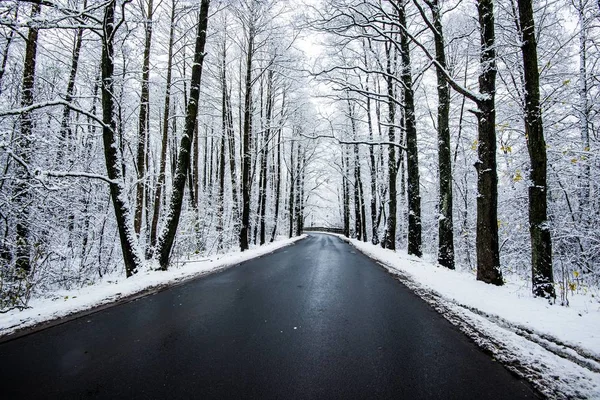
[(471, 331), (19, 332)]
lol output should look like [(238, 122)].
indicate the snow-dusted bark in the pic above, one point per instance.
[(167, 237), (541, 242), (129, 245)]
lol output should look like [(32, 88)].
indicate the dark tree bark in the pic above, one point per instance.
[(541, 242), (373, 172), (195, 167), (9, 40), (221, 192), (246, 140), (291, 191), (357, 200), (358, 221), (193, 178), (345, 192), (390, 232), (264, 151), (143, 121), (412, 152), (445, 221), (65, 126), (232, 163), (165, 137), (298, 214), (277, 183), (224, 135), (24, 148), (488, 255), (118, 193), (167, 238)]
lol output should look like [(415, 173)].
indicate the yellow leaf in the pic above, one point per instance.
[(576, 274), (566, 82), (573, 160), (518, 177), (474, 145), (572, 286), (586, 148)]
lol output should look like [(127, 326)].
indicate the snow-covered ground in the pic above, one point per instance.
[(116, 287), (555, 347)]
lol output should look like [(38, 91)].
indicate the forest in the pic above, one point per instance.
[(138, 133)]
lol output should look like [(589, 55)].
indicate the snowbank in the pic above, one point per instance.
[(116, 288), (558, 346)]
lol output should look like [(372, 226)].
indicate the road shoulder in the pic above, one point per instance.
[(555, 367), (114, 290)]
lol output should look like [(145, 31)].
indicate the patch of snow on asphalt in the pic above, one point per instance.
[(116, 287), (556, 348)]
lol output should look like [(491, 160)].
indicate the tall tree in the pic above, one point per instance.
[(373, 170), (488, 252), (277, 181), (541, 242), (128, 239), (143, 119), (390, 235), (167, 238), (247, 131), (264, 153), (158, 194), (65, 125), (9, 40), (412, 152), (291, 190), (445, 220), (24, 146)]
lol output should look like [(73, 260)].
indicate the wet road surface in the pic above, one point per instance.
[(314, 320)]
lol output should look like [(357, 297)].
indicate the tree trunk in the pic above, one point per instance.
[(390, 237), (9, 40), (445, 219), (25, 142), (346, 191), (358, 223), (165, 137), (291, 192), (128, 238), (224, 128), (232, 163), (221, 192), (584, 116), (167, 238), (541, 242), (373, 172), (246, 140), (488, 257), (412, 152), (143, 139), (278, 185), (299, 192), (65, 127), (264, 150)]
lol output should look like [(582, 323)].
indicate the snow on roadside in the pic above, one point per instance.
[(115, 287), (556, 348)]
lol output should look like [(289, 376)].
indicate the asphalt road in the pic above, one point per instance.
[(315, 320)]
